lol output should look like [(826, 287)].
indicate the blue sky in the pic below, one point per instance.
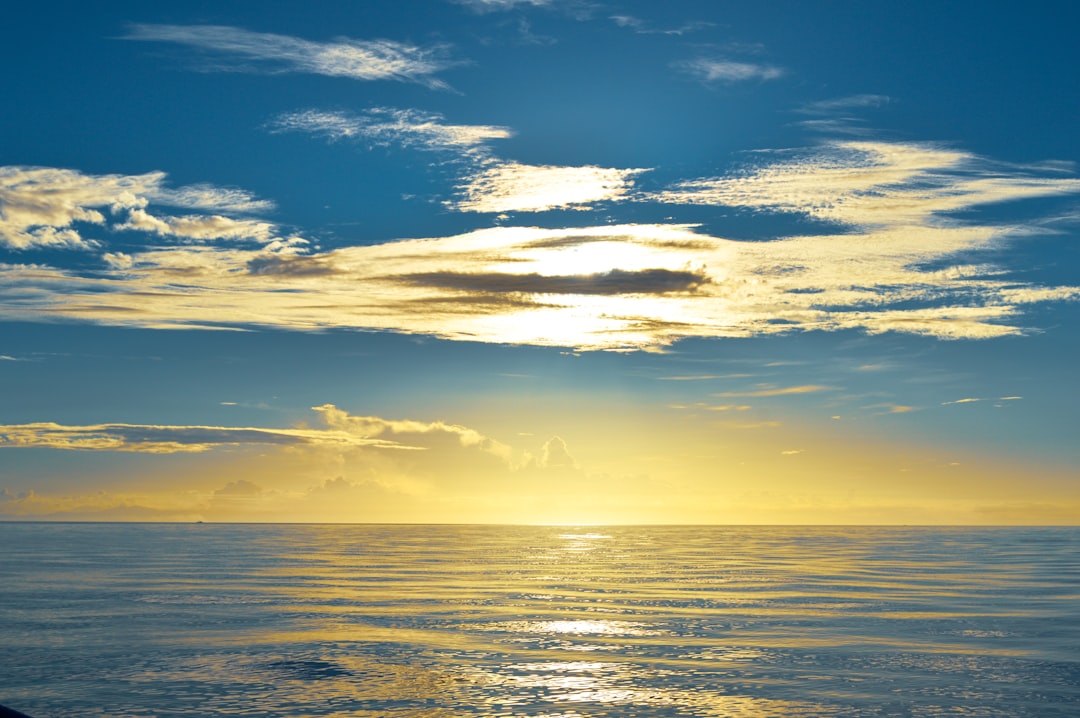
[(539, 261)]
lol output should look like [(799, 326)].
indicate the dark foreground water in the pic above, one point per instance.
[(560, 622)]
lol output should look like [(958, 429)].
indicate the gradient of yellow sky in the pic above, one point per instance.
[(611, 464)]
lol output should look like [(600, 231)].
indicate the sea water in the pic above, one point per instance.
[(209, 620)]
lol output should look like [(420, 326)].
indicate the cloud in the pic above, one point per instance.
[(199, 227), (210, 198), (776, 391), (345, 57), (889, 253), (241, 488), (344, 467), (614, 282), (555, 454), (382, 126), (711, 407), (843, 104), (154, 439), (483, 6), (44, 207), (494, 185), (874, 185), (371, 445), (373, 427), (39, 205), (727, 71), (839, 115), (514, 187), (640, 26), (98, 506), (702, 377), (613, 287), (751, 425)]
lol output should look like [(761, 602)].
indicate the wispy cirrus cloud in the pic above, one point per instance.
[(713, 70), (516, 187), (490, 184), (874, 185), (269, 52), (483, 6), (644, 28), (45, 207), (769, 391), (384, 126), (973, 400), (840, 115), (844, 104)]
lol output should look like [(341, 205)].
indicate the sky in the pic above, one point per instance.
[(540, 261)]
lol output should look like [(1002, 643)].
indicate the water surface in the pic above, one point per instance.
[(147, 620)]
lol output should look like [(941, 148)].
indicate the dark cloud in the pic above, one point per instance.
[(198, 435), (291, 266), (617, 281)]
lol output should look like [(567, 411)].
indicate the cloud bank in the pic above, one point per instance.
[(889, 252)]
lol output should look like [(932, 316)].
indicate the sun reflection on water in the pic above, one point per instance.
[(547, 622), (589, 627)]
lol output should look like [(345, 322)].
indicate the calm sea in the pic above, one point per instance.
[(560, 622)]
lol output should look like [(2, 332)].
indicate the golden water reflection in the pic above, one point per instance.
[(576, 628), (556, 622)]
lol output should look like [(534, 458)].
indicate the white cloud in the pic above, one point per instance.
[(640, 26), (611, 287), (872, 184), (840, 116), (840, 105), (501, 5), (345, 57), (43, 207), (727, 71), (418, 433), (410, 128), (39, 205), (514, 187), (209, 198), (199, 227), (555, 454), (898, 261)]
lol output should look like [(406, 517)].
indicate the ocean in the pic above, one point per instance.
[(140, 620)]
